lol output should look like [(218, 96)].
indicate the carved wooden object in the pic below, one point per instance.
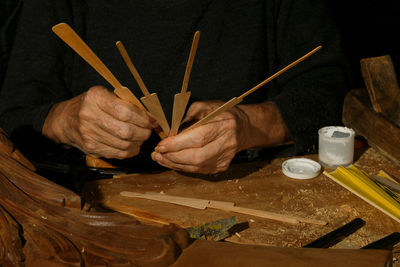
[(41, 223)]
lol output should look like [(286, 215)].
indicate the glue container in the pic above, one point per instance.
[(336, 146)]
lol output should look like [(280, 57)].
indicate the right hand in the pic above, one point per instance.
[(100, 124)]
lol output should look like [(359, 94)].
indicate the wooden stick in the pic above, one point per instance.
[(181, 100), (151, 101), (234, 101), (221, 205), (189, 64), (291, 65), (71, 38), (132, 68)]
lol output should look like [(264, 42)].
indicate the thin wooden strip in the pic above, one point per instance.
[(183, 201), (151, 101), (181, 100), (153, 105), (231, 103), (221, 205), (71, 38), (132, 68), (236, 100), (189, 64), (267, 214), (291, 65)]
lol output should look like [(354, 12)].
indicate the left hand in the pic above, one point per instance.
[(207, 149)]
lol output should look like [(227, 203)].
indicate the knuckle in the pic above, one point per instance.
[(123, 154), (199, 140), (89, 145), (147, 134), (95, 91), (125, 132), (84, 114), (124, 145), (123, 112), (81, 130)]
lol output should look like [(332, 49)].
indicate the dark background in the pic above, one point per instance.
[(369, 27)]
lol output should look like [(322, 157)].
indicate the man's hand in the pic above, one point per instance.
[(206, 149), (100, 124), (210, 148)]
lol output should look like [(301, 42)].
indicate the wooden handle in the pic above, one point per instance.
[(72, 39)]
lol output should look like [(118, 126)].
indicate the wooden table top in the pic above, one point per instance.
[(259, 185)]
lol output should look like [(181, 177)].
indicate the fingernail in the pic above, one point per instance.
[(161, 149), (153, 155), (156, 156)]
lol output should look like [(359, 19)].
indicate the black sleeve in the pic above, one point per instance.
[(35, 77), (312, 92)]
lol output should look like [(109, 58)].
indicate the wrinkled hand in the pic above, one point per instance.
[(100, 124), (207, 149)]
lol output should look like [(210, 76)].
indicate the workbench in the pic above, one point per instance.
[(258, 185)]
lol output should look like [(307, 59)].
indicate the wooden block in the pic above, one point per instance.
[(380, 133), (382, 85)]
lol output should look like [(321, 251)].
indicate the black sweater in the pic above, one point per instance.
[(241, 44)]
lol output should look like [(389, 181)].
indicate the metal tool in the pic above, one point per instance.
[(337, 235), (386, 242)]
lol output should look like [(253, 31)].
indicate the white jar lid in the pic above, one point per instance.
[(301, 168)]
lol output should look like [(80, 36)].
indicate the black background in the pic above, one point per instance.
[(369, 28)]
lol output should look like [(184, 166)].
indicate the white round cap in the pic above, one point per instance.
[(301, 168)]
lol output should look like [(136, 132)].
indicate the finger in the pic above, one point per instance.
[(211, 167), (178, 166), (112, 153), (109, 103), (194, 156), (93, 147), (200, 109), (121, 130), (195, 138), (127, 112), (101, 136)]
